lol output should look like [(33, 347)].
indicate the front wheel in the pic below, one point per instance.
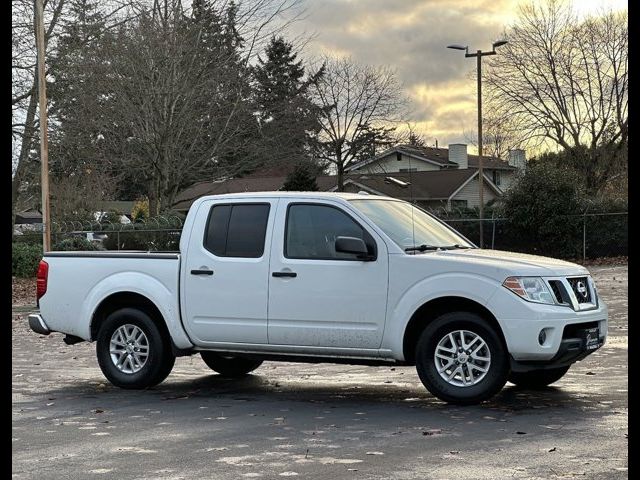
[(132, 352), (461, 359), (537, 378), (229, 365)]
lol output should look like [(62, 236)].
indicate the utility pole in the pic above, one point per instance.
[(479, 54), (44, 142)]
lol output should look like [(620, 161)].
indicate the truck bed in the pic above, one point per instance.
[(79, 281)]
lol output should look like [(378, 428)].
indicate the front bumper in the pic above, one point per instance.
[(573, 348), (521, 323), (37, 324)]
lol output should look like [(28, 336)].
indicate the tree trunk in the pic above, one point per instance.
[(153, 198), (340, 166), (28, 135)]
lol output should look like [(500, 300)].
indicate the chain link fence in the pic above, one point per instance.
[(586, 236), (160, 233)]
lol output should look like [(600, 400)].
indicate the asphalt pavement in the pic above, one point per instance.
[(311, 421)]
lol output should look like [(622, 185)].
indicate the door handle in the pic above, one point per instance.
[(201, 272), (285, 274)]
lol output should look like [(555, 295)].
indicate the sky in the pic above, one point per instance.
[(411, 36)]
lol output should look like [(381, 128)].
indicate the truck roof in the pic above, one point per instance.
[(311, 195)]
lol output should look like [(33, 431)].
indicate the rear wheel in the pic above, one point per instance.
[(131, 350), (461, 359), (538, 378), (229, 365)]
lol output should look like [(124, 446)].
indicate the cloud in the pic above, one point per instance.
[(411, 36)]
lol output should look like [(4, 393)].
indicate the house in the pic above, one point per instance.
[(430, 177), (408, 158), (447, 188)]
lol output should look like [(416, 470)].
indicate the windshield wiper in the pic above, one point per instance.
[(425, 247)]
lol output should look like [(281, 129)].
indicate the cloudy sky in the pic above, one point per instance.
[(411, 36)]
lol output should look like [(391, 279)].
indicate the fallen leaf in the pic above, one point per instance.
[(434, 431), (521, 433), (98, 410), (589, 373), (553, 449), (374, 453)]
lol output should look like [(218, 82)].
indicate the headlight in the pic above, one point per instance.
[(532, 289)]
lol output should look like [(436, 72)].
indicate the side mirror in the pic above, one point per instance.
[(352, 245)]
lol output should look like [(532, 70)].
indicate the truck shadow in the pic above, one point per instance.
[(347, 394)]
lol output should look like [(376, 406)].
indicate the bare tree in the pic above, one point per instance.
[(565, 81), (356, 100), (500, 133), (24, 81), (165, 99), (24, 102)]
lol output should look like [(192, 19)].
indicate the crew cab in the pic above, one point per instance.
[(325, 277)]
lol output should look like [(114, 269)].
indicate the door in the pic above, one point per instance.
[(320, 297), (226, 270)]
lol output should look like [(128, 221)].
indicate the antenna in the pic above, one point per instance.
[(413, 223)]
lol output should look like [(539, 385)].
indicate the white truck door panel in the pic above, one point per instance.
[(333, 300), (225, 272)]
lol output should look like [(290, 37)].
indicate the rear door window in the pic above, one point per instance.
[(237, 230)]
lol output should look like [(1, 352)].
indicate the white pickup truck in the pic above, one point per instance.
[(320, 277)]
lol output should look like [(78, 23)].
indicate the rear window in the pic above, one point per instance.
[(237, 230)]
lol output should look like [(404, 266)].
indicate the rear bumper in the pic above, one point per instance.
[(37, 324)]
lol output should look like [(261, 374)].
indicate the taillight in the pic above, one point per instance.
[(41, 279)]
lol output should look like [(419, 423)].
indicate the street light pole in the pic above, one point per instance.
[(480, 157), (479, 54), (44, 143)]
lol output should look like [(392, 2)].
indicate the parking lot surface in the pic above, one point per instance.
[(313, 421)]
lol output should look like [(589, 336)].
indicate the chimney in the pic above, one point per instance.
[(518, 159), (458, 154)]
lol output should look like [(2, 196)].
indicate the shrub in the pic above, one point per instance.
[(25, 259), (543, 210), (75, 244), (140, 211), (29, 238)]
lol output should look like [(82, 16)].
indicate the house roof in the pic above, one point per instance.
[(239, 185), (438, 156), (28, 217), (433, 185)]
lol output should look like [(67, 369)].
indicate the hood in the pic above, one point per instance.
[(511, 263)]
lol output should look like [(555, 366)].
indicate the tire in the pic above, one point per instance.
[(470, 385), (537, 378), (229, 365), (131, 374)]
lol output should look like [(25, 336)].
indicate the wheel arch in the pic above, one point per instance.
[(429, 311), (126, 299)]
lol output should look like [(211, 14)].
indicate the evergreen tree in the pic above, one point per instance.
[(301, 179), (81, 173), (288, 118)]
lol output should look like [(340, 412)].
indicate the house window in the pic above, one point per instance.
[(496, 178), (405, 170)]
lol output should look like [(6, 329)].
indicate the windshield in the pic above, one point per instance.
[(403, 222)]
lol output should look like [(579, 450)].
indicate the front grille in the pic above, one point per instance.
[(558, 290), (580, 287)]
